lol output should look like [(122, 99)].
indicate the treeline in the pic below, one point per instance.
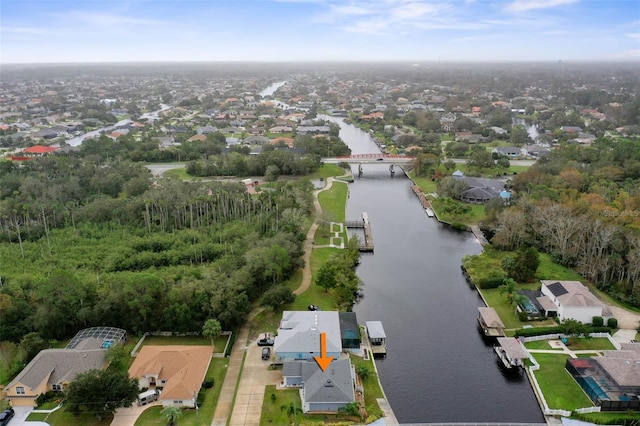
[(582, 206), (86, 245)]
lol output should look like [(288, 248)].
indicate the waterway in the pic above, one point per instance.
[(439, 368), (532, 130)]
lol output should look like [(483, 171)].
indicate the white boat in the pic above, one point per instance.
[(429, 212)]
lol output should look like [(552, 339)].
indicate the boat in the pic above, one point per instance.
[(430, 212), (511, 353)]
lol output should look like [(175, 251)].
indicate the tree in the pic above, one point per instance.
[(101, 392), (481, 159), (211, 329), (519, 135), (352, 409), (278, 296), (363, 371), (292, 410), (523, 266), (171, 414), (326, 275), (271, 173)]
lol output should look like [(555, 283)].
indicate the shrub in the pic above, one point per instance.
[(200, 399), (493, 280), (47, 396), (597, 321), (208, 384), (522, 316), (612, 323)]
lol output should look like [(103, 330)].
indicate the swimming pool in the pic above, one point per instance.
[(528, 307)]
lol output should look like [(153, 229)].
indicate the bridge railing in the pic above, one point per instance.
[(372, 156)]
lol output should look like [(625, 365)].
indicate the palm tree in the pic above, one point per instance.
[(363, 371), (171, 414), (352, 409), (211, 329), (291, 410), (508, 287)]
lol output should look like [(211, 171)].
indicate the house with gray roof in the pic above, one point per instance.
[(51, 369), (298, 336), (509, 151), (321, 391), (480, 190), (54, 369)]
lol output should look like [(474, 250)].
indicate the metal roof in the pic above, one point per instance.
[(375, 330)]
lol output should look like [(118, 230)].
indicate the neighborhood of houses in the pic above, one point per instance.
[(611, 380), (174, 374)]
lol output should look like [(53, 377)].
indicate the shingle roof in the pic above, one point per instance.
[(299, 331), (335, 384), (490, 317), (59, 365)]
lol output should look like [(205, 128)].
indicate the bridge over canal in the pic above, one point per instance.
[(370, 159)]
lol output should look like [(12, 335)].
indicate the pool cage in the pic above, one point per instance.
[(600, 387), (109, 336)]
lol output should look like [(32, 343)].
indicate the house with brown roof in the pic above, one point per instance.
[(178, 370)]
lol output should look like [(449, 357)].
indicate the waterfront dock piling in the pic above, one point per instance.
[(367, 247)]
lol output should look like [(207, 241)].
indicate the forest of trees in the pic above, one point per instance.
[(581, 205), (86, 245)]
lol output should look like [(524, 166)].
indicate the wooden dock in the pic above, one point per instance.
[(367, 247)]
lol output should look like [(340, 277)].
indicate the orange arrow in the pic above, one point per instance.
[(323, 360)]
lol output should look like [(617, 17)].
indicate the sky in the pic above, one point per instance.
[(56, 31)]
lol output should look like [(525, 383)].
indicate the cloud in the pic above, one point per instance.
[(24, 30), (526, 5), (634, 35), (390, 16), (105, 19)]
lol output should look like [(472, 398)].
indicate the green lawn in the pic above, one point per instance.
[(540, 344), (557, 385), (593, 343), (371, 385), (326, 171), (333, 202), (424, 183), (475, 215), (62, 418), (274, 411)]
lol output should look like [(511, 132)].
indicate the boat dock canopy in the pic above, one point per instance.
[(490, 322), (513, 348), (375, 330)]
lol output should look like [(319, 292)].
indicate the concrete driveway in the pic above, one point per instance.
[(128, 416), (255, 377)]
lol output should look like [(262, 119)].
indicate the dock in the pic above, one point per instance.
[(377, 338), (367, 247), (511, 352), (490, 322), (426, 203)]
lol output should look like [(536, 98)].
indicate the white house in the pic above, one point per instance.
[(573, 300), (298, 335)]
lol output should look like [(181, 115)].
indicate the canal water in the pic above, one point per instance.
[(439, 368)]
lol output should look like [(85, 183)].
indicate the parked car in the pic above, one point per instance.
[(313, 308), (266, 340), (5, 416), (266, 353)]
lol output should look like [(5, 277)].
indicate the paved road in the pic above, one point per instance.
[(159, 169), (512, 162)]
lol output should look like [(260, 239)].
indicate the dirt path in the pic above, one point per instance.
[(308, 244)]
